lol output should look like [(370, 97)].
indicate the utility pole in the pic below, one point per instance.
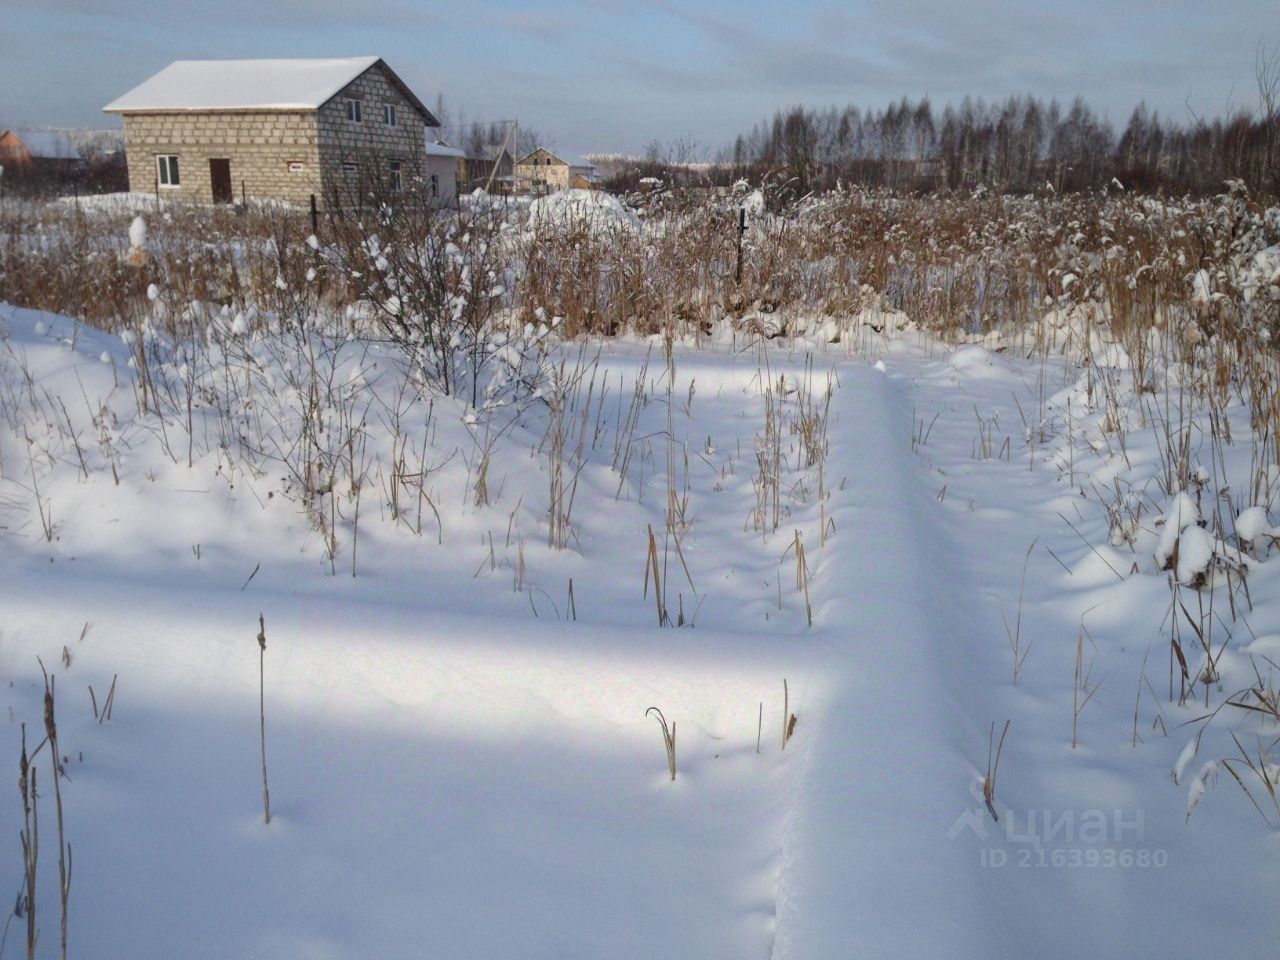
[(511, 129)]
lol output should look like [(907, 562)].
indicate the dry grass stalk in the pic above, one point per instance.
[(659, 595), (64, 848), (993, 770), (30, 836), (1137, 699), (557, 519), (1015, 636), (788, 718), (1083, 689), (668, 739), (262, 715), (109, 707), (802, 574), (105, 712), (1263, 770)]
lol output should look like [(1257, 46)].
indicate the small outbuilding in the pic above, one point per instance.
[(442, 170), (224, 130)]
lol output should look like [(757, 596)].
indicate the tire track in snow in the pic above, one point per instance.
[(869, 868)]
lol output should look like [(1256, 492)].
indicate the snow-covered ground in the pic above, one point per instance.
[(459, 755)]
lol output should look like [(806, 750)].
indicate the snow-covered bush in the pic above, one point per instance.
[(438, 285)]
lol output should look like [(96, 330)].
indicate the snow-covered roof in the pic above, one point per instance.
[(439, 148), (48, 144), (251, 85), (574, 160)]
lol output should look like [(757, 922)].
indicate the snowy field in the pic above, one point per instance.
[(1054, 556)]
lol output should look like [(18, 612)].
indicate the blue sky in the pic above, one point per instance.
[(596, 75)]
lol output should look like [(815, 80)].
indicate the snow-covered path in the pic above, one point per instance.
[(890, 850), (868, 869)]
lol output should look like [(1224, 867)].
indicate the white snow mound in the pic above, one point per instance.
[(576, 208), (1252, 524)]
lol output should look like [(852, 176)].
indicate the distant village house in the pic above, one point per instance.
[(23, 151), (219, 130), (546, 172)]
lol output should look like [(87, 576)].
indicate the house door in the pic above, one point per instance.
[(220, 177)]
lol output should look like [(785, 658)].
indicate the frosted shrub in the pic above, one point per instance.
[(437, 284)]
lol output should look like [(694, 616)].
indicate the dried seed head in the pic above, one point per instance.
[(262, 633), (50, 726), (24, 764)]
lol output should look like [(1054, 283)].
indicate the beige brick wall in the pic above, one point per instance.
[(544, 176), (262, 145)]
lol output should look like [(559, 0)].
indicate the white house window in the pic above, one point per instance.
[(350, 169), (435, 184), (389, 114), (353, 110), (297, 166), (167, 170), (394, 167)]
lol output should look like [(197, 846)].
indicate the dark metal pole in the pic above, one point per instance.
[(742, 229), (315, 217)]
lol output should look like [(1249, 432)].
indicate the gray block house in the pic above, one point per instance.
[(215, 131)]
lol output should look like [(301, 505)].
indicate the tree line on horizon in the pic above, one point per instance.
[(1022, 144)]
